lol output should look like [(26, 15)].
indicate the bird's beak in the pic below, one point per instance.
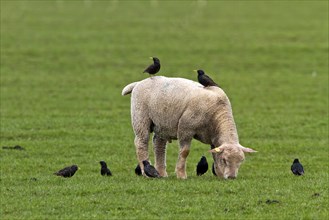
[(79, 168), (151, 58), (195, 71)]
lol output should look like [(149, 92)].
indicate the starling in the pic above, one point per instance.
[(67, 171), (213, 169), (202, 166), (204, 79), (104, 170), (138, 170), (269, 201), (149, 170), (17, 147), (297, 168), (153, 68)]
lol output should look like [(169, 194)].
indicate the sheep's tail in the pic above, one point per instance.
[(129, 88)]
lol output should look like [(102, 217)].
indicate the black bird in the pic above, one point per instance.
[(213, 169), (150, 170), (204, 79), (17, 147), (202, 166), (269, 201), (297, 168), (153, 68), (104, 170), (138, 170), (67, 171)]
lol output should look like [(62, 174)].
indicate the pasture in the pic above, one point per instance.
[(64, 64)]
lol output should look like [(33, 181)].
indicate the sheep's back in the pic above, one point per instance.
[(166, 100)]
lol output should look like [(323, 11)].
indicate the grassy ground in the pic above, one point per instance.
[(64, 64)]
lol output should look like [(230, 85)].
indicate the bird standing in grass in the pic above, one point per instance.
[(17, 147), (138, 170), (104, 170), (153, 68), (150, 170), (204, 79), (67, 171), (297, 168), (202, 166)]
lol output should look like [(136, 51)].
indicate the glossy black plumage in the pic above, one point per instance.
[(153, 68), (150, 170), (104, 169), (297, 168), (205, 80), (213, 169), (138, 170), (202, 166), (67, 171)]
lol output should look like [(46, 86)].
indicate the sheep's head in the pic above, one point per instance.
[(228, 158)]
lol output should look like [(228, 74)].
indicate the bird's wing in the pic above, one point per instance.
[(209, 79), (300, 169), (148, 69), (62, 170), (154, 172)]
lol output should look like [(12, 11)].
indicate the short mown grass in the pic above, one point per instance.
[(64, 64)]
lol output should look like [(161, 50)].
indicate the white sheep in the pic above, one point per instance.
[(177, 108)]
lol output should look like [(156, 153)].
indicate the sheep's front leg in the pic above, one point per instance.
[(141, 144), (181, 163), (160, 155)]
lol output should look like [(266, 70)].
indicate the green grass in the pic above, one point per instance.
[(64, 64)]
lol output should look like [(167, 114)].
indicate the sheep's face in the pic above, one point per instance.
[(228, 159)]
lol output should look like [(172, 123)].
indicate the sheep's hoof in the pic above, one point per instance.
[(162, 171), (181, 175), (163, 174)]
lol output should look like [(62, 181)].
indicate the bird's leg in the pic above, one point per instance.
[(159, 145), (181, 163), (141, 144)]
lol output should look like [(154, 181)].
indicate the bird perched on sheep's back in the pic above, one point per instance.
[(67, 171), (153, 68), (150, 170), (138, 170), (202, 166), (204, 79), (297, 168), (104, 169)]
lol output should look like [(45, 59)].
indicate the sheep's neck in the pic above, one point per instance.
[(226, 130)]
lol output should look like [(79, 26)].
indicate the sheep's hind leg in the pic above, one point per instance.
[(141, 144), (159, 145), (181, 163)]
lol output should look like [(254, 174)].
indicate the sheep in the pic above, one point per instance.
[(177, 108)]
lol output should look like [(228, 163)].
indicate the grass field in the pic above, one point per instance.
[(64, 64)]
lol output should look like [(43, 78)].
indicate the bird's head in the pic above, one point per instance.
[(203, 158), (200, 72), (155, 59), (102, 163), (145, 162), (75, 167), (296, 161)]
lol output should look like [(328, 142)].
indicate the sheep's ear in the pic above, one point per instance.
[(216, 150), (247, 150)]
